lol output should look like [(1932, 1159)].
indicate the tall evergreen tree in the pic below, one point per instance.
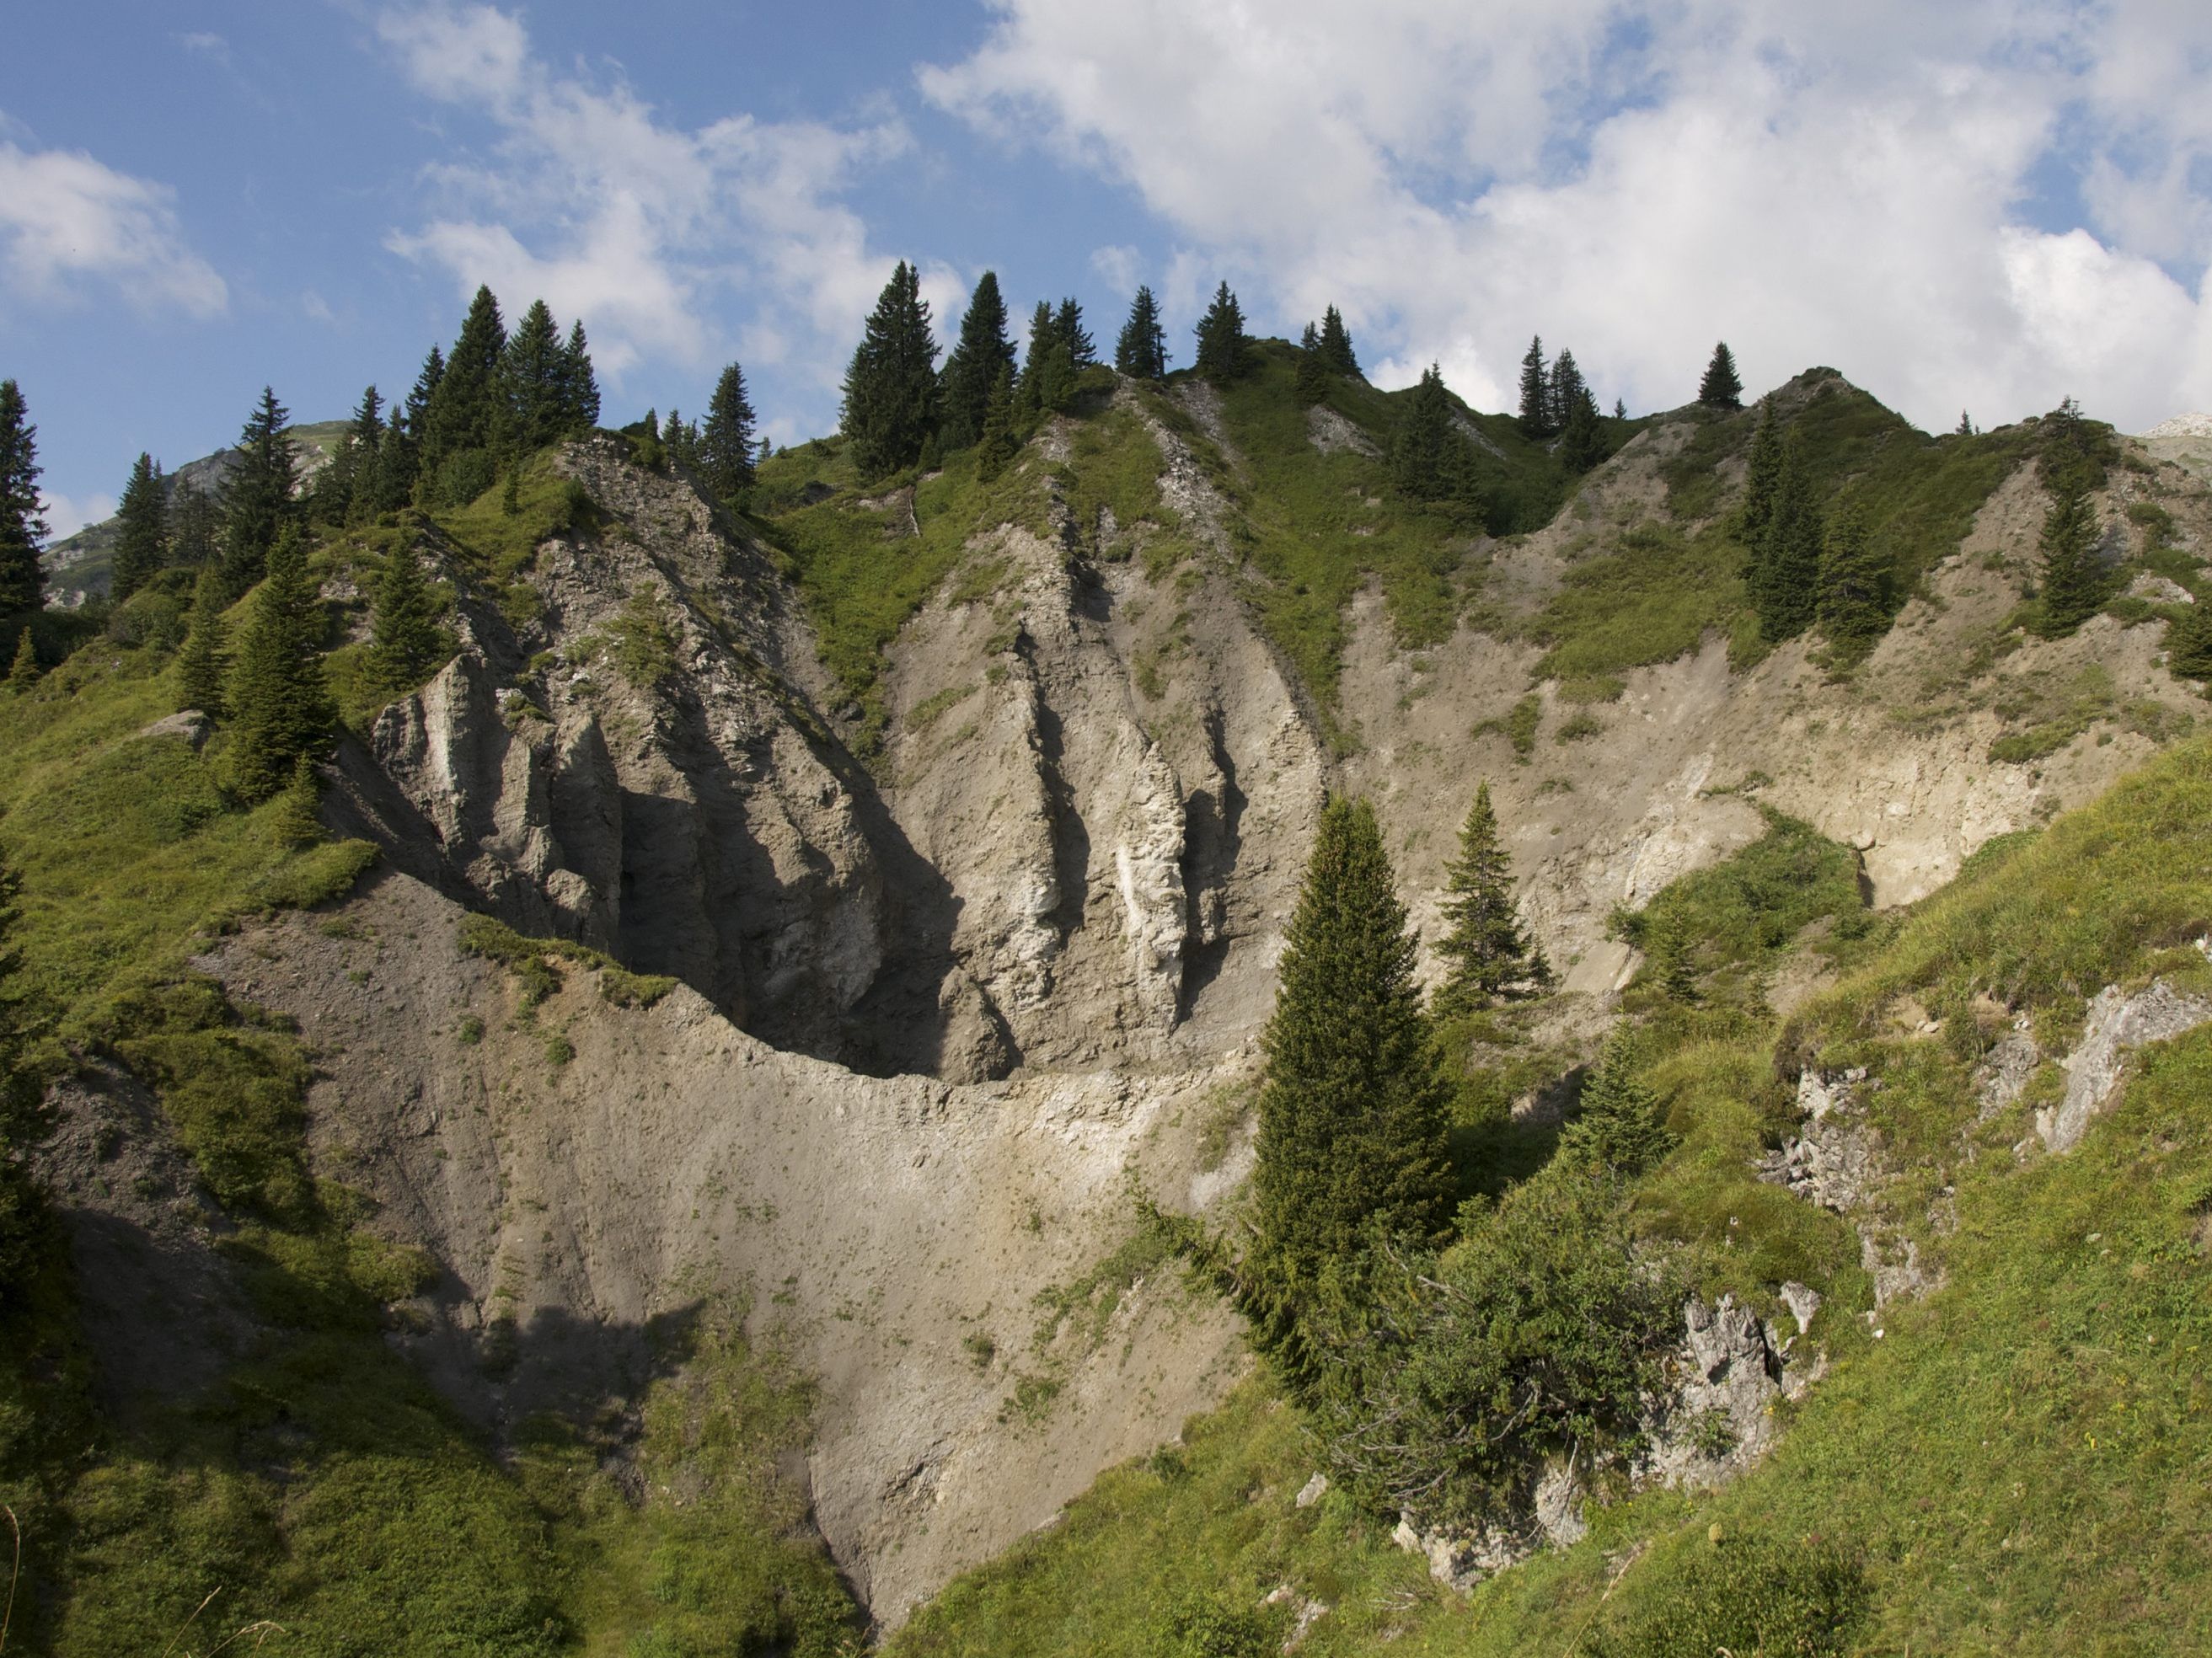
[(2073, 581), (203, 663), (258, 493), (1721, 388), (141, 520), (1854, 595), (1785, 572), (279, 700), (579, 384), (1221, 338), (890, 388), (345, 488), (1489, 952), (1141, 352), (1336, 345), (1312, 382), (195, 526), (1352, 1111), (1535, 391), (533, 381), (983, 348), (404, 640), (1067, 323), (1567, 391), (1420, 449), (427, 382), (392, 485), (1581, 434), (1621, 408), (467, 412), (999, 444), (725, 443), (22, 521), (1762, 478), (1047, 381)]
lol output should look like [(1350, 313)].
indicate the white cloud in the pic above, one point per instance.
[(1119, 265), (68, 221), (592, 202), (66, 514), (1833, 184)]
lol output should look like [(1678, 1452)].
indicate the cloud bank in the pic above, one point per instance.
[(1870, 187), (69, 224)]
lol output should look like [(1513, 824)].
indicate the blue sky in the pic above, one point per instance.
[(1987, 205)]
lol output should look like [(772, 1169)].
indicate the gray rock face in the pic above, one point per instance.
[(1836, 1161), (2118, 1025), (1718, 1417), (190, 726)]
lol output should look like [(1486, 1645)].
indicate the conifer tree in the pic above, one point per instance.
[(725, 443), (1067, 323), (1567, 389), (279, 700), (466, 415), (1617, 1125), (1221, 338), (258, 495), (999, 444), (680, 438), (1621, 408), (1535, 391), (203, 662), (890, 388), (1419, 450), (426, 385), (1351, 1110), (580, 385), (404, 625), (1854, 596), (22, 520), (1965, 426), (1336, 345), (1582, 435), (983, 348), (2073, 583), (1489, 952), (1784, 577), (24, 671), (1762, 478), (345, 490), (533, 381), (392, 484), (142, 520), (1312, 382), (195, 526), (1141, 352), (1048, 382), (1721, 388), (2189, 643), (294, 822)]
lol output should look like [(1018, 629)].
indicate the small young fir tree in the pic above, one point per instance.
[(279, 702), (1783, 576), (24, 671), (1067, 323), (1336, 345), (203, 663), (999, 443), (142, 520), (404, 640), (1311, 384), (1491, 954), (1221, 340), (1721, 388), (725, 442), (1141, 352), (1854, 586), (2072, 581)]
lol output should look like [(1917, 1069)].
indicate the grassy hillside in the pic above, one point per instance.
[(2015, 1464)]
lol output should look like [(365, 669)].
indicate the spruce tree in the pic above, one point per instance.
[(1067, 323), (1535, 391), (24, 671), (345, 490), (294, 822), (580, 385), (1141, 352), (404, 626), (999, 444), (2189, 643), (279, 700), (142, 521), (195, 526), (1721, 388), (391, 486), (1336, 345), (1965, 426), (1312, 382), (22, 521), (1028, 405), (1221, 338), (533, 381), (1762, 478), (1621, 408), (983, 348), (1582, 435), (1785, 576), (890, 387), (725, 443), (1419, 450), (426, 385), (2073, 581), (1617, 1125), (466, 416), (1567, 389), (1854, 596), (1352, 1110), (258, 493), (203, 663), (1489, 952)]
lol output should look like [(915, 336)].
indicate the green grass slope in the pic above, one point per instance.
[(2016, 1464)]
